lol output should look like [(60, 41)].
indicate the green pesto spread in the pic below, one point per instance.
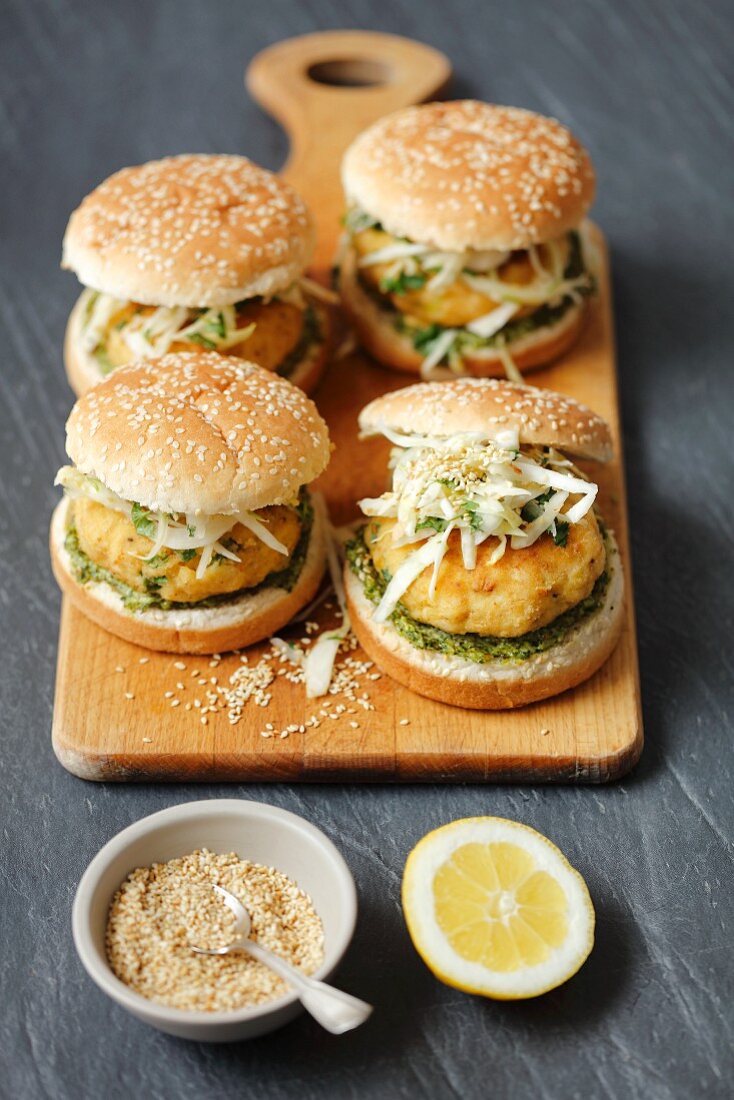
[(86, 570), (470, 647)]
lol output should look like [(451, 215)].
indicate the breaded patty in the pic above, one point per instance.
[(454, 305), (278, 329), (524, 590), (110, 540)]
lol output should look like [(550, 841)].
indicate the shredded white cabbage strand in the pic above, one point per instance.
[(319, 661), (480, 488), (194, 532)]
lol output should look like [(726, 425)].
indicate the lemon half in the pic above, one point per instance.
[(493, 907)]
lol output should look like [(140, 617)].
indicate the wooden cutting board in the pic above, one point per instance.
[(122, 713)]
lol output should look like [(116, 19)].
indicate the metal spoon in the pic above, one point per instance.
[(336, 1011)]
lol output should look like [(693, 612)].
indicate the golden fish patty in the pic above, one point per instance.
[(279, 326), (524, 590), (454, 305), (110, 540)]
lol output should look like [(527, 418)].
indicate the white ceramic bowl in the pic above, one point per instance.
[(255, 831)]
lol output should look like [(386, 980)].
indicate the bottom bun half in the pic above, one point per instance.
[(376, 332), (494, 685), (83, 372), (234, 624)]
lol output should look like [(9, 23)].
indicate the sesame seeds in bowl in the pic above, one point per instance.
[(258, 833)]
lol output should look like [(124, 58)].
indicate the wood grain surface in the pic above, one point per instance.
[(114, 717)]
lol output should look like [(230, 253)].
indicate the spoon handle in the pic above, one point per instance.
[(333, 1009)]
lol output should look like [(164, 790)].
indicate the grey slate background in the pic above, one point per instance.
[(86, 88)]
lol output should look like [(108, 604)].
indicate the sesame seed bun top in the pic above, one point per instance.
[(192, 230), (465, 174), (490, 405), (198, 432)]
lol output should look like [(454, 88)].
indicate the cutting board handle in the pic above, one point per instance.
[(324, 88)]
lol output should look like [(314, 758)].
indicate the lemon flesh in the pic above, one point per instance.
[(493, 907)]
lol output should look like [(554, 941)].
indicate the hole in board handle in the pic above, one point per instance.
[(350, 72)]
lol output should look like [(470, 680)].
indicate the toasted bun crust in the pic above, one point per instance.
[(494, 685), (486, 405), (197, 431), (194, 230), (82, 369), (233, 625), (394, 349), (464, 174)]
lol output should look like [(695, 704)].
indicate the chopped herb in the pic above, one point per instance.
[(531, 510), (471, 513), (187, 555), (559, 531), (434, 523), (424, 337), (197, 338), (153, 584), (217, 325), (142, 522), (402, 282)]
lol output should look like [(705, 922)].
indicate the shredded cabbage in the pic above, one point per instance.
[(193, 532), (99, 309), (149, 334), (480, 487)]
